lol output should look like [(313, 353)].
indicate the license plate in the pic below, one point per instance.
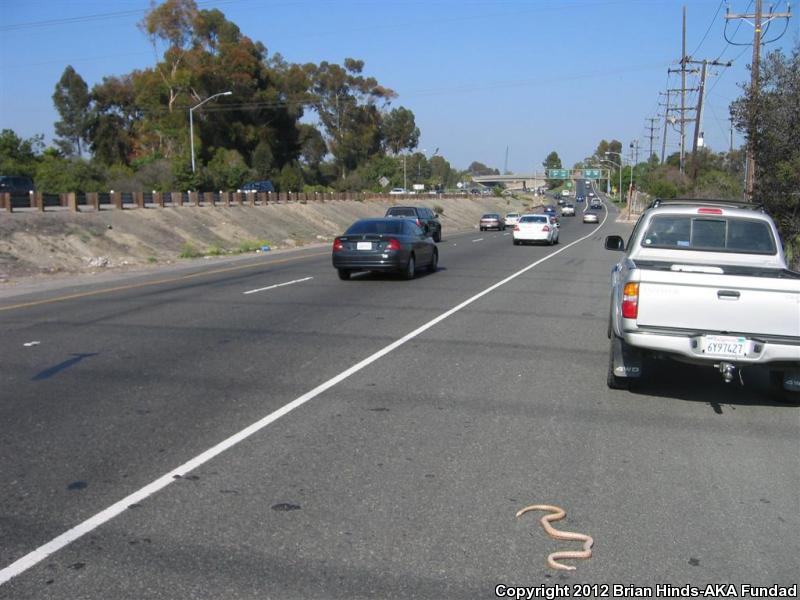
[(363, 245), (723, 345)]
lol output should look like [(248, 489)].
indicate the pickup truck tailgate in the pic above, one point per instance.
[(719, 303)]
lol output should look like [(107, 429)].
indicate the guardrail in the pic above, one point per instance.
[(97, 201)]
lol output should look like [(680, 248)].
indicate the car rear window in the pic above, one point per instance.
[(490, 216), (401, 212), (393, 227), (718, 234), (534, 219)]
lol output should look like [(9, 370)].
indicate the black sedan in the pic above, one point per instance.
[(388, 244)]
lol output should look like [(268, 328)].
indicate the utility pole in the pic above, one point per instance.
[(730, 149), (758, 22), (683, 89), (666, 122), (505, 164), (652, 135)]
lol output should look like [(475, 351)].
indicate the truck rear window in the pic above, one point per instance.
[(718, 234)]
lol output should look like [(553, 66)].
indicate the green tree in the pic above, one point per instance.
[(71, 99), (478, 168), (227, 170), (346, 101), (553, 161), (19, 156), (768, 115), (400, 132), (55, 175), (290, 179)]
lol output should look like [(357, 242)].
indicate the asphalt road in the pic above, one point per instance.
[(399, 480)]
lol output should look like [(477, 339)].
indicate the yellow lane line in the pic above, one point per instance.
[(157, 282)]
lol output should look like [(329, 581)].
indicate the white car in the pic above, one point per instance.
[(512, 219), (397, 192), (535, 228), (568, 210), (565, 192), (589, 217)]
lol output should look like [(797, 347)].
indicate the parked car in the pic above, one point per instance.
[(389, 244), (258, 186), (512, 218), (590, 217), (492, 221), (705, 282), (15, 184), (425, 219), (565, 192), (397, 191), (535, 228), (568, 210)]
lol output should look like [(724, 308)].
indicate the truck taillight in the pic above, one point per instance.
[(630, 301), (337, 245)]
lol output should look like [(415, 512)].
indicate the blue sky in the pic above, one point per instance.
[(533, 76)]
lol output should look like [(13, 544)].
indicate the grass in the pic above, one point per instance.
[(152, 259), (215, 250), (188, 250), (251, 245)]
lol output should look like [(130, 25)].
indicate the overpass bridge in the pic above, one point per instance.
[(528, 182)]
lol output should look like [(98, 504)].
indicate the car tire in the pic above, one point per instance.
[(516, 242), (411, 268), (344, 274), (434, 266), (437, 237)]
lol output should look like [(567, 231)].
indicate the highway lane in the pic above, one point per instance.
[(407, 475), (127, 385)]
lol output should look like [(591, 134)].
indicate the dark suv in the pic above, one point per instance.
[(16, 184), (427, 220)]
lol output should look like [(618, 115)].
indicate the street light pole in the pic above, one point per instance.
[(620, 172), (191, 120)]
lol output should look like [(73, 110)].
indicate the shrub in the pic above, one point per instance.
[(188, 250)]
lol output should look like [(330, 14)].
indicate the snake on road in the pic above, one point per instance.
[(556, 514)]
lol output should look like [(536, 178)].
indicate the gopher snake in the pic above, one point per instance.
[(556, 514)]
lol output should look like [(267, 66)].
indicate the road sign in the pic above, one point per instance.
[(459, 185), (569, 184), (591, 173), (383, 181), (418, 186), (558, 173)]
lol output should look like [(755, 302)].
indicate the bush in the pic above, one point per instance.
[(251, 245), (438, 209), (188, 250)]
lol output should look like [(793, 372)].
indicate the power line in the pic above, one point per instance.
[(714, 20)]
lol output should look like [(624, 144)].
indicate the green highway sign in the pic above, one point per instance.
[(591, 173), (559, 173)]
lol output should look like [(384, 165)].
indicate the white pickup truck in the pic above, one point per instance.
[(705, 282)]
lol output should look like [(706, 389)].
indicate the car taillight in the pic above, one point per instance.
[(630, 301), (546, 228), (337, 245), (393, 244), (516, 227), (418, 223)]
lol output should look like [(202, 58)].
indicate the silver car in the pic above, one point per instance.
[(589, 217)]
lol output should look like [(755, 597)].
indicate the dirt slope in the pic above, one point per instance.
[(61, 242)]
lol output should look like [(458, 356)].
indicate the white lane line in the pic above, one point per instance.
[(277, 285), (478, 240), (42, 552), (506, 234)]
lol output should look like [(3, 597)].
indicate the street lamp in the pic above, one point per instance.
[(608, 179), (191, 120), (620, 170)]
